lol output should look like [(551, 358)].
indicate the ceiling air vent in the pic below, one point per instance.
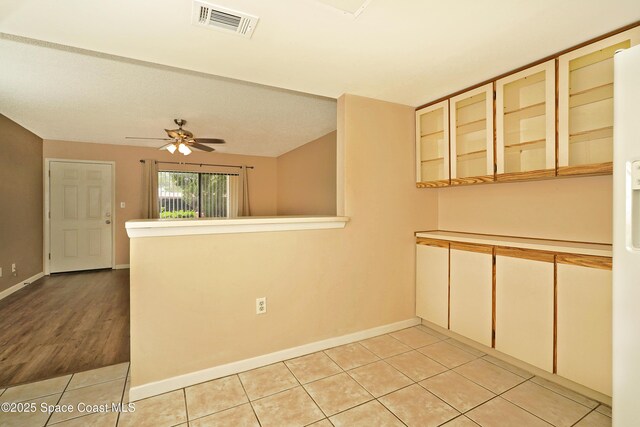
[(223, 19)]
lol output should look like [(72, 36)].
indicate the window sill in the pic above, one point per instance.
[(257, 224)]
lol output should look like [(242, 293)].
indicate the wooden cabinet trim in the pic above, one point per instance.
[(472, 247), (530, 254), (529, 175), (594, 169), (472, 180), (433, 184), (591, 261), (432, 242), (555, 317)]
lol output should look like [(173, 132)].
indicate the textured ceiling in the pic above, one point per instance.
[(409, 51), (406, 51), (61, 93)]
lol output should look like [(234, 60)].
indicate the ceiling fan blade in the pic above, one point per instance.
[(173, 133), (210, 141), (201, 147), (136, 137)]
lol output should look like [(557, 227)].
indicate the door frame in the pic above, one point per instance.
[(47, 199)]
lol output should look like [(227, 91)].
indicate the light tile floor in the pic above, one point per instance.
[(413, 377)]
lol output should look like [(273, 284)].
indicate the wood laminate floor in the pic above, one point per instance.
[(64, 323)]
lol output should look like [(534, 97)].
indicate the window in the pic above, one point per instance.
[(193, 194)]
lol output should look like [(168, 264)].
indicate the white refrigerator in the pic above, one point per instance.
[(626, 239)]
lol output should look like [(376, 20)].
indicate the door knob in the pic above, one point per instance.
[(108, 221)]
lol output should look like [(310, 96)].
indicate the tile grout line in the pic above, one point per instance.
[(357, 342), (390, 411), (524, 409), (124, 388), (59, 399), (306, 391), (508, 401), (570, 398), (585, 416), (248, 399), (186, 408)]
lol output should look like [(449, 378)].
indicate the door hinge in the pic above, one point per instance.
[(49, 173), (495, 168), (49, 256), (493, 260), (49, 214), (493, 334), (495, 96)]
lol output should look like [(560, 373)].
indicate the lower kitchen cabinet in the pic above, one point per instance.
[(471, 270), (584, 321), (524, 306), (432, 282), (544, 302)]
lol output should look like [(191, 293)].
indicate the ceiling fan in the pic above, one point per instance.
[(183, 140)]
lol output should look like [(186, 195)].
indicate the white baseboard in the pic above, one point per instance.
[(174, 383), (20, 285), (121, 266)]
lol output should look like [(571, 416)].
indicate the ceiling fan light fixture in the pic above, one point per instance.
[(172, 148), (184, 149)]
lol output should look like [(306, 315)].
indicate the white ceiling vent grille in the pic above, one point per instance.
[(223, 19)]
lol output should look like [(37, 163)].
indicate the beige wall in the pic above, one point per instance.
[(21, 203), (199, 312), (564, 209), (262, 179), (307, 178)]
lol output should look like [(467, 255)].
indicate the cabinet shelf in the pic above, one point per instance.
[(475, 126), (438, 132), (592, 134), (437, 159), (526, 108), (530, 144), (591, 95), (472, 153)]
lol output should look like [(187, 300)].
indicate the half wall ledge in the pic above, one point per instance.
[(254, 224)]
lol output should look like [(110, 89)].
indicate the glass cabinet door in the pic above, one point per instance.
[(525, 123), (472, 136), (432, 145), (585, 105)]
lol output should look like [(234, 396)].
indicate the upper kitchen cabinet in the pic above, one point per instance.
[(471, 126), (432, 145), (585, 105), (525, 124)]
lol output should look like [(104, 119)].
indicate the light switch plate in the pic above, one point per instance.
[(122, 205)]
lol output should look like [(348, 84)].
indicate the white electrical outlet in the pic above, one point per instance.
[(261, 305), (13, 268)]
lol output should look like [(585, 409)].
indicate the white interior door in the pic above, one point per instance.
[(80, 216)]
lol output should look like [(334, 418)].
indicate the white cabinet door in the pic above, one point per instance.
[(472, 136), (524, 308), (525, 122), (432, 283), (471, 291), (584, 325), (432, 145), (585, 105)]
